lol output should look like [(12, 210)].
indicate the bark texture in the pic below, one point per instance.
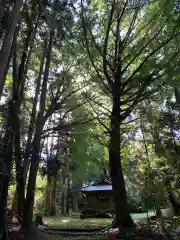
[(122, 215), (36, 146), (7, 41)]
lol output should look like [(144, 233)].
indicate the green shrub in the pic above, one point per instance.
[(136, 206)]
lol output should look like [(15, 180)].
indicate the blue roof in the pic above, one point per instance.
[(96, 188)]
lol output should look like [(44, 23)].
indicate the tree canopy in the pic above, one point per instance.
[(89, 89)]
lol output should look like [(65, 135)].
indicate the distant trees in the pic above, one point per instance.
[(38, 86)]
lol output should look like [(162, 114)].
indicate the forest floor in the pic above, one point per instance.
[(64, 228), (72, 227), (74, 221), (141, 232)]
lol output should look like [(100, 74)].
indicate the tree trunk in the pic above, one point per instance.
[(14, 205), (7, 150), (174, 203), (68, 197), (74, 201), (74, 194), (7, 41), (9, 59), (122, 215), (67, 202), (63, 195), (63, 202), (39, 221), (31, 126), (28, 147), (53, 197), (20, 186), (19, 77), (6, 167), (48, 195), (29, 202), (4, 181)]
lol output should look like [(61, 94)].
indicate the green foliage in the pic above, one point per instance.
[(39, 195), (11, 190), (89, 156), (76, 117)]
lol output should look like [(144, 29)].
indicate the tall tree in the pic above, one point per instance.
[(128, 45), (7, 41)]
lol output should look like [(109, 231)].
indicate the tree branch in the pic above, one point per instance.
[(105, 48)]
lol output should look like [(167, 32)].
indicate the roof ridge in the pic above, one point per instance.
[(101, 180), (96, 188)]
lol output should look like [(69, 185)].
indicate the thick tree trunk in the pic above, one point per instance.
[(29, 202), (7, 41), (7, 149), (6, 166), (122, 215), (4, 181)]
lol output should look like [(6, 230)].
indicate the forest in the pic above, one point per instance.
[(89, 89)]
